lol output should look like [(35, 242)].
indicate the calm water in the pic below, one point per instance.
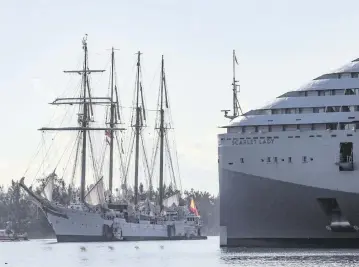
[(41, 253)]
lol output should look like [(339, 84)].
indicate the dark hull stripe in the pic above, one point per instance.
[(81, 238), (293, 242)]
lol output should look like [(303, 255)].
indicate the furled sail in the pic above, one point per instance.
[(95, 195), (49, 187), (148, 207), (172, 200)]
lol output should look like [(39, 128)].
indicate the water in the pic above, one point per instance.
[(41, 253)]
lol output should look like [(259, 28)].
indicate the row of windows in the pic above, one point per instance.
[(305, 159), (326, 109), (295, 127), (328, 92), (340, 75)]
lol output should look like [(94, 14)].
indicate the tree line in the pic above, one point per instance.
[(17, 207)]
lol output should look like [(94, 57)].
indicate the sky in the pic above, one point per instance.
[(280, 45)]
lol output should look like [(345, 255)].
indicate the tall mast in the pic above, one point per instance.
[(236, 107), (112, 121), (138, 124), (234, 84), (84, 122), (85, 101), (162, 132)]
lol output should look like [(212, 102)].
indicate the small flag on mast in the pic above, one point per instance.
[(122, 151), (108, 135), (235, 59)]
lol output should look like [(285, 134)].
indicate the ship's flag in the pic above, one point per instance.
[(108, 135), (193, 208), (235, 58)]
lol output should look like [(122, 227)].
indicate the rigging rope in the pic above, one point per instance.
[(53, 139), (95, 167), (149, 182), (76, 160), (122, 163), (33, 158), (129, 156), (170, 162)]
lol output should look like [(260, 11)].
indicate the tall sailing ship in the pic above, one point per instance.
[(99, 215), (288, 173)]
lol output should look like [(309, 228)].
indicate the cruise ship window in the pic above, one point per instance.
[(330, 109), (332, 92), (268, 159), (321, 93), (275, 159), (347, 126), (349, 92), (242, 160), (275, 111), (290, 159), (304, 158), (318, 110), (354, 75), (269, 128), (342, 126), (331, 126), (339, 75), (345, 109), (339, 91)]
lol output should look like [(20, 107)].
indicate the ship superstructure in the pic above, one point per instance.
[(288, 171)]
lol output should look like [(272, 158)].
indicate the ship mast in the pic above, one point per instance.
[(112, 122), (84, 122), (235, 85), (138, 123), (162, 128), (162, 134), (86, 101)]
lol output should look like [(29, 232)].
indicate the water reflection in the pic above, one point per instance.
[(288, 257)]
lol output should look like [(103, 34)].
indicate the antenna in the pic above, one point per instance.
[(235, 88)]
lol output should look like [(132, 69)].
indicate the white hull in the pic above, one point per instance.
[(81, 226)]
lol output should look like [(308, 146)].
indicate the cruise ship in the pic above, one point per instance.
[(288, 171)]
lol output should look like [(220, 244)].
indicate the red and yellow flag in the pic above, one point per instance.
[(193, 208)]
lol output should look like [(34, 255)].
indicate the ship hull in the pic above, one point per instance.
[(81, 226), (79, 238), (257, 211)]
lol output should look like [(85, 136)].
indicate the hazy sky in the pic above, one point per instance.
[(280, 45)]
